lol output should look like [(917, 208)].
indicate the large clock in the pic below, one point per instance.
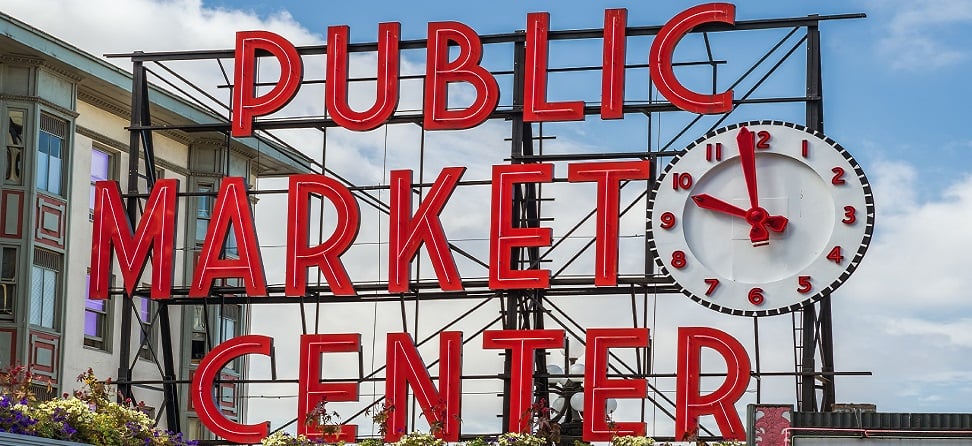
[(760, 218)]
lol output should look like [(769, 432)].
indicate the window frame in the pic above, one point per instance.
[(110, 174), (146, 329), (47, 123), (47, 300), (9, 285), (9, 161), (105, 318)]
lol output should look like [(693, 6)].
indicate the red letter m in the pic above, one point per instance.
[(112, 229)]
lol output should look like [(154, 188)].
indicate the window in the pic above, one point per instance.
[(204, 214), (147, 335), (14, 155), (198, 341), (229, 328), (229, 319), (50, 153), (96, 320), (44, 275), (196, 430), (228, 325), (8, 281), (102, 166)]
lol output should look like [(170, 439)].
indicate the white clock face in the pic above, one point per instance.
[(761, 218)]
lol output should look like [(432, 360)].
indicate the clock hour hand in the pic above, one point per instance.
[(706, 201), (758, 218)]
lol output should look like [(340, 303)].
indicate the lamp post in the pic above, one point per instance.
[(567, 400)]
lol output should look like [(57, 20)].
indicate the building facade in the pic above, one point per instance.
[(65, 115)]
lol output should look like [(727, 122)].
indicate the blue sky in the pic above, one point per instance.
[(895, 96), (893, 81)]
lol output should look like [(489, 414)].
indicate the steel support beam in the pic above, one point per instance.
[(817, 324), (140, 146)]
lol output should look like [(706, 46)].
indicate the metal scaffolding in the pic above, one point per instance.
[(814, 369)]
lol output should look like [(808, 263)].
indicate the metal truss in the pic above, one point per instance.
[(528, 309)]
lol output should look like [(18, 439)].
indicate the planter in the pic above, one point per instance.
[(8, 439)]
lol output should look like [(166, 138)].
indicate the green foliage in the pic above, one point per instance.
[(88, 416), (419, 439), (380, 418), (371, 442), (478, 441), (516, 439), (285, 439), (630, 440)]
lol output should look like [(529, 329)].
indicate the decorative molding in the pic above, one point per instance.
[(71, 114), (50, 232), (5, 202), (122, 147), (176, 135), (73, 77), (45, 341), (103, 104), (235, 147), (20, 59), (124, 112), (101, 138)]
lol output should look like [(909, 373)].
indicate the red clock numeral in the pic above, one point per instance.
[(713, 283), (763, 139), (713, 152), (835, 255), (838, 176), (756, 296), (681, 180), (849, 217), (805, 285), (667, 220), (805, 150), (678, 260)]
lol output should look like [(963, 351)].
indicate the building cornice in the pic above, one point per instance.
[(44, 102), (122, 147)]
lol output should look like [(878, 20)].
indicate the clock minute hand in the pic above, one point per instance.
[(747, 156), (757, 217)]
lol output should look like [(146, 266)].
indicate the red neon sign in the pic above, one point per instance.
[(408, 232), (407, 370), (441, 70)]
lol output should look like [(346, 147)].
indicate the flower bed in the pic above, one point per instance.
[(88, 416)]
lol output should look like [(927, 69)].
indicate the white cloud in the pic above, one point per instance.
[(903, 315), (103, 26), (917, 36), (955, 333), (887, 318), (918, 260)]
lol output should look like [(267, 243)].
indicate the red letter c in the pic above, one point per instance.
[(202, 389), (660, 59)]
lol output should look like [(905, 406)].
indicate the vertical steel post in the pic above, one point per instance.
[(524, 308), (817, 326), (140, 143), (124, 356)]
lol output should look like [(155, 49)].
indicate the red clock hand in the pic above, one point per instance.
[(747, 156), (706, 201), (756, 216)]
